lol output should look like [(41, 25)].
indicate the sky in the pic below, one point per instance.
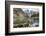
[(30, 9)]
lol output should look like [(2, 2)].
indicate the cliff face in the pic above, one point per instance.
[(19, 16)]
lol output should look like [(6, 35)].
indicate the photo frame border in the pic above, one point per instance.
[(7, 11)]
